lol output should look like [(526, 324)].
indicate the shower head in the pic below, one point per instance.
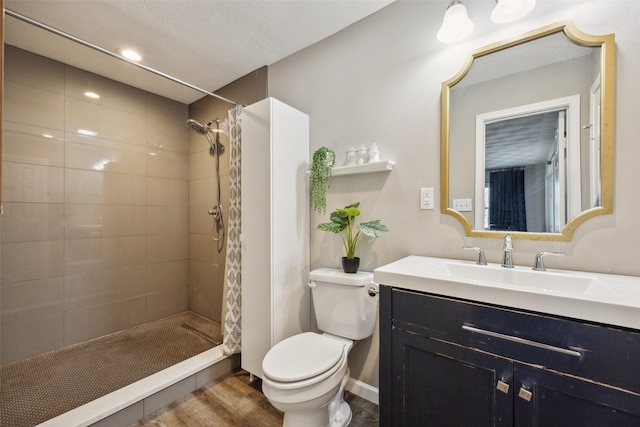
[(198, 127)]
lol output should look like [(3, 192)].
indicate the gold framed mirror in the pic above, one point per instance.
[(527, 135)]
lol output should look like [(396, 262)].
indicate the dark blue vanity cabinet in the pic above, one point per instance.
[(449, 362)]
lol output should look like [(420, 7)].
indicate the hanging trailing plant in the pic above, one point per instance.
[(321, 164)]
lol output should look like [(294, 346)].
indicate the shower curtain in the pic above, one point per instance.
[(233, 276), (507, 210)]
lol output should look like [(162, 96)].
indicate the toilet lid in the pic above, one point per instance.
[(302, 356)]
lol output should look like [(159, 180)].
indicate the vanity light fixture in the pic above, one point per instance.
[(510, 10), (456, 25)]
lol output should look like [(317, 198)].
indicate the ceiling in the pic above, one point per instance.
[(207, 44)]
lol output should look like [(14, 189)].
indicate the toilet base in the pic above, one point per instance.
[(336, 414), (342, 417), (339, 410)]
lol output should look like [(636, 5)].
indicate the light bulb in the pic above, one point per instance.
[(456, 25)]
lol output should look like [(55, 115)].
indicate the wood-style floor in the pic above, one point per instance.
[(233, 401)]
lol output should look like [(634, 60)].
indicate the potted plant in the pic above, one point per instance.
[(321, 164), (342, 223)]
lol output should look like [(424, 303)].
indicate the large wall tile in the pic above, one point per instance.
[(94, 321), (32, 261), (112, 94), (167, 275), (107, 123), (24, 222), (167, 247), (24, 143), (167, 125), (27, 183), (167, 192), (92, 187), (204, 249), (32, 299), (93, 255), (205, 289), (167, 220), (163, 304), (95, 288), (91, 221), (168, 164), (33, 70), (34, 335), (29, 105), (104, 156)]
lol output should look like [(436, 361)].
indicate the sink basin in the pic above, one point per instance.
[(541, 281), (603, 298)]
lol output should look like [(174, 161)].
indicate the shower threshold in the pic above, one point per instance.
[(126, 375)]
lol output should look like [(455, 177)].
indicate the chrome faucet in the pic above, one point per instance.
[(482, 259), (507, 258), (538, 265)]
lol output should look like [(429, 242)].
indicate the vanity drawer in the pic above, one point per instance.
[(596, 352)]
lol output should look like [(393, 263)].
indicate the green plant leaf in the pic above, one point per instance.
[(331, 226), (372, 228)]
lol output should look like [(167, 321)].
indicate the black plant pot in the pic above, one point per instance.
[(350, 265)]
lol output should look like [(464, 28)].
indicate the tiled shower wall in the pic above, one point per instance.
[(95, 230)]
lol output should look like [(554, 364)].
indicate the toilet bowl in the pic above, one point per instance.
[(304, 375)]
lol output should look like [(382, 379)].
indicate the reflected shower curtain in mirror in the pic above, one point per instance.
[(233, 276), (506, 200)]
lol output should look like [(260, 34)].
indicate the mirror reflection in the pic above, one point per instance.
[(521, 128)]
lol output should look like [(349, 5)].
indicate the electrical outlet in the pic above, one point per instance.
[(426, 198)]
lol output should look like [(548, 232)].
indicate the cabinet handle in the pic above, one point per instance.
[(525, 394), (503, 387), (522, 341)]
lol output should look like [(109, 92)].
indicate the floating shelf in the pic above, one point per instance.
[(381, 166)]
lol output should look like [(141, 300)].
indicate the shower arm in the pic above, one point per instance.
[(90, 45)]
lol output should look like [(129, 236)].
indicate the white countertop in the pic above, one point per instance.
[(603, 298)]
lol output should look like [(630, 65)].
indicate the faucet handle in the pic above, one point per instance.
[(538, 265), (508, 245), (482, 260)]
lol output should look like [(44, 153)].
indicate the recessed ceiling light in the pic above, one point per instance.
[(92, 95), (131, 54)]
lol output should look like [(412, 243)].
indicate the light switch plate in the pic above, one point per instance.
[(462, 205)]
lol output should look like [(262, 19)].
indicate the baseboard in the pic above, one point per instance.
[(363, 390)]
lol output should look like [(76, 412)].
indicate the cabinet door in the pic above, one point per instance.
[(559, 400), (436, 383)]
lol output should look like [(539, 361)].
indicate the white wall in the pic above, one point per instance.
[(380, 80)]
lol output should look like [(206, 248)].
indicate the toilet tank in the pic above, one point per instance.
[(342, 302)]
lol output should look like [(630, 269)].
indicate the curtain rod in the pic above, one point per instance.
[(112, 54)]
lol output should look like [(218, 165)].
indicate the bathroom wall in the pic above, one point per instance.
[(95, 228), (379, 80), (207, 257)]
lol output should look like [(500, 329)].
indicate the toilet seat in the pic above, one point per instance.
[(303, 359)]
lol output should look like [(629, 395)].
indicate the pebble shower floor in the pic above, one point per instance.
[(45, 386)]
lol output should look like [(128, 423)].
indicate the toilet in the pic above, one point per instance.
[(304, 375)]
